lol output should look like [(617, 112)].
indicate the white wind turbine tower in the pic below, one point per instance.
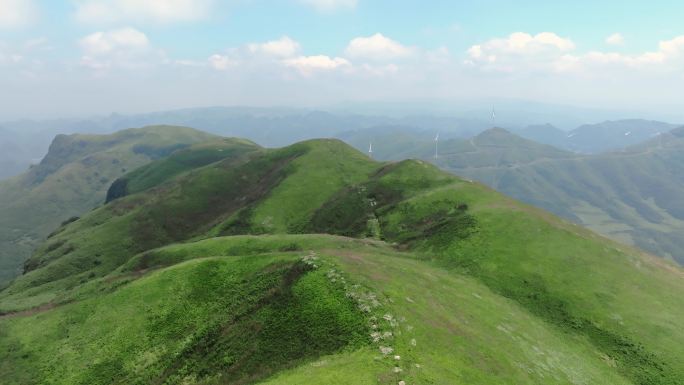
[(493, 117), (370, 149), (436, 145)]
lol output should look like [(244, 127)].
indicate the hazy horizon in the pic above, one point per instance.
[(510, 113)]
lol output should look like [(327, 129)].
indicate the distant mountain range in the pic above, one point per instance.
[(635, 195), (597, 138), (25, 142)]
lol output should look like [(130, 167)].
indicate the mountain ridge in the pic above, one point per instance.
[(71, 180)]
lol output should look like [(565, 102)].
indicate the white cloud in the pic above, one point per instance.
[(310, 64), (547, 52), (277, 58), (256, 55), (221, 62), (669, 56), (106, 42), (672, 48), (522, 51), (520, 43), (124, 47), (17, 13), (377, 47), (283, 47), (330, 5), (158, 11), (615, 39)]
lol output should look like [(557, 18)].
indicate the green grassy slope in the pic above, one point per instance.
[(633, 196), (442, 327), (239, 317), (71, 180), (180, 161), (476, 288)]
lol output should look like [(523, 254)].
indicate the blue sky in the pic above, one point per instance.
[(97, 56)]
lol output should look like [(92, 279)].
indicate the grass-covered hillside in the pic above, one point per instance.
[(71, 180), (312, 264), (634, 195)]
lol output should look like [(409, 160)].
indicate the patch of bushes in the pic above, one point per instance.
[(118, 189), (70, 220), (54, 246), (442, 224), (239, 225), (62, 226), (349, 211), (290, 247)]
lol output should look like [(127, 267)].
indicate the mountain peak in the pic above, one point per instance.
[(498, 136)]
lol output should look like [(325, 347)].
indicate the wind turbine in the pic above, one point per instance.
[(370, 149), (436, 145), (493, 117)]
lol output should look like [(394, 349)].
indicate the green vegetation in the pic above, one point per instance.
[(161, 170), (313, 264), (206, 321), (238, 318), (633, 196), (71, 180)]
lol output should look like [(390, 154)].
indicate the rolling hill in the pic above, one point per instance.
[(71, 180), (633, 195), (313, 264)]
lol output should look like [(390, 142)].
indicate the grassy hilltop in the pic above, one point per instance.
[(313, 264)]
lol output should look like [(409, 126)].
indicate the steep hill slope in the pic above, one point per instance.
[(71, 180), (462, 284)]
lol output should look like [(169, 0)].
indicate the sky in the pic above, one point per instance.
[(88, 57)]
